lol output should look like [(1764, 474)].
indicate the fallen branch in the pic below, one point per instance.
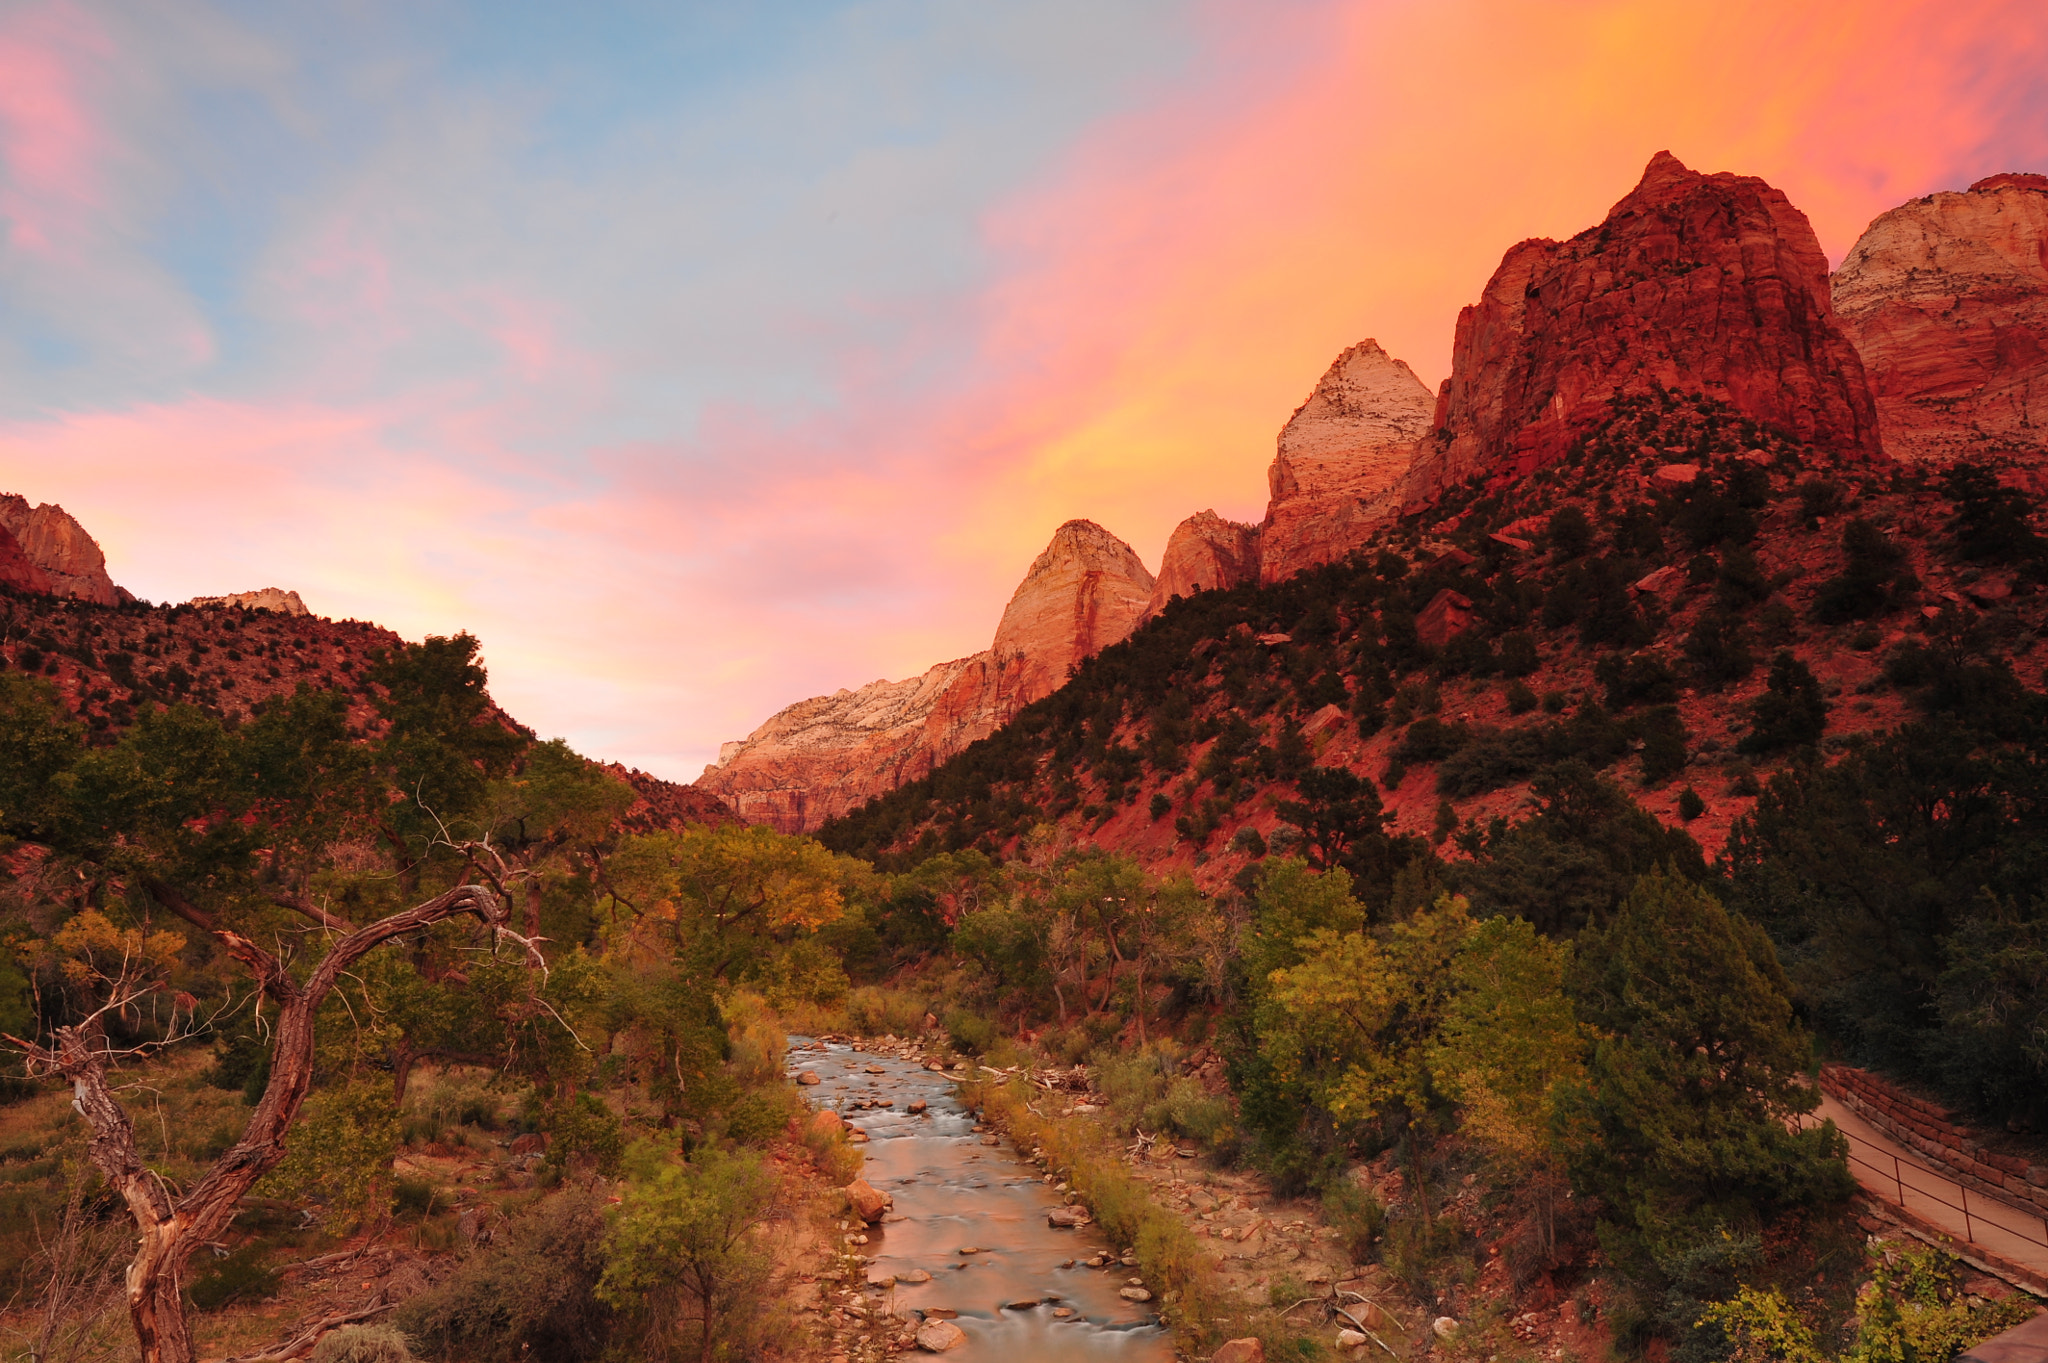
[(301, 1344)]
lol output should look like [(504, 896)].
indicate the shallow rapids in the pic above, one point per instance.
[(954, 1191)]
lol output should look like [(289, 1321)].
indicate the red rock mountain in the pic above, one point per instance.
[(69, 560), (1341, 456), (823, 756), (1947, 299), (1203, 553), (1712, 284)]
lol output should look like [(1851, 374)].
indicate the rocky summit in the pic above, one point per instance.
[(1946, 298), (1713, 284), (51, 552), (1203, 553), (1340, 456), (821, 757), (263, 599)]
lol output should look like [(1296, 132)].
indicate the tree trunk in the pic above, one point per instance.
[(170, 1231)]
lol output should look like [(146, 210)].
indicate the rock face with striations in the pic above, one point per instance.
[(1085, 592), (1712, 284), (1204, 552), (1340, 457), (69, 558), (822, 757), (1947, 299)]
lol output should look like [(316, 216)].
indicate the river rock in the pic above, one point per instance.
[(1022, 1304), (1134, 1294), (856, 1136), (937, 1336), (1067, 1218), (809, 1077), (868, 1202), (1443, 1327), (1240, 1351), (880, 1277), (826, 1123), (1350, 1339), (914, 1276), (991, 1140)]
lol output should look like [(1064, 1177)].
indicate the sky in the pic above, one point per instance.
[(702, 357)]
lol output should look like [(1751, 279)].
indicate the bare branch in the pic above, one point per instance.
[(301, 905)]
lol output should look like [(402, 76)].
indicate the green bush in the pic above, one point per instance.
[(971, 1033), (762, 1115), (1358, 1217), (418, 1197)]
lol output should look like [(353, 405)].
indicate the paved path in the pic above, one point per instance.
[(1893, 1174)]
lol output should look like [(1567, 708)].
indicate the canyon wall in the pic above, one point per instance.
[(1946, 298)]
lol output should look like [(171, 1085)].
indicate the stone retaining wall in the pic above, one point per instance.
[(1922, 1127)]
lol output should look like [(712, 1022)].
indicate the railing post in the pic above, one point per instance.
[(1968, 1233), (1898, 1177)]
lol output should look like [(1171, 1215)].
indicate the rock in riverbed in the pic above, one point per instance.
[(937, 1336)]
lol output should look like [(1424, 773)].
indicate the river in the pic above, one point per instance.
[(959, 1188)]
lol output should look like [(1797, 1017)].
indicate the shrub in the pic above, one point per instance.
[(762, 1115), (971, 1033), (1358, 1217), (363, 1344), (1790, 713), (1521, 700), (530, 1294), (343, 1146), (1160, 806), (682, 1266), (1690, 805)]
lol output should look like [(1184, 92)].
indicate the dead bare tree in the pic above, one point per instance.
[(173, 1224)]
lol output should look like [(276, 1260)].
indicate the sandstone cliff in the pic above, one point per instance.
[(17, 570), (58, 545), (1339, 456), (1711, 284), (265, 599), (821, 757), (1947, 299), (1204, 552)]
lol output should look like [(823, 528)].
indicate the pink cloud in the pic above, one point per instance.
[(51, 144)]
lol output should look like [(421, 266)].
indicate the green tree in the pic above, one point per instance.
[(1508, 1046), (682, 1262), (1688, 1119), (1791, 713)]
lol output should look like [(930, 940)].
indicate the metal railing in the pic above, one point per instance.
[(1896, 1175)]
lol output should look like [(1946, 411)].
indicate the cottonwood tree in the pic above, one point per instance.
[(172, 1226), (232, 833)]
